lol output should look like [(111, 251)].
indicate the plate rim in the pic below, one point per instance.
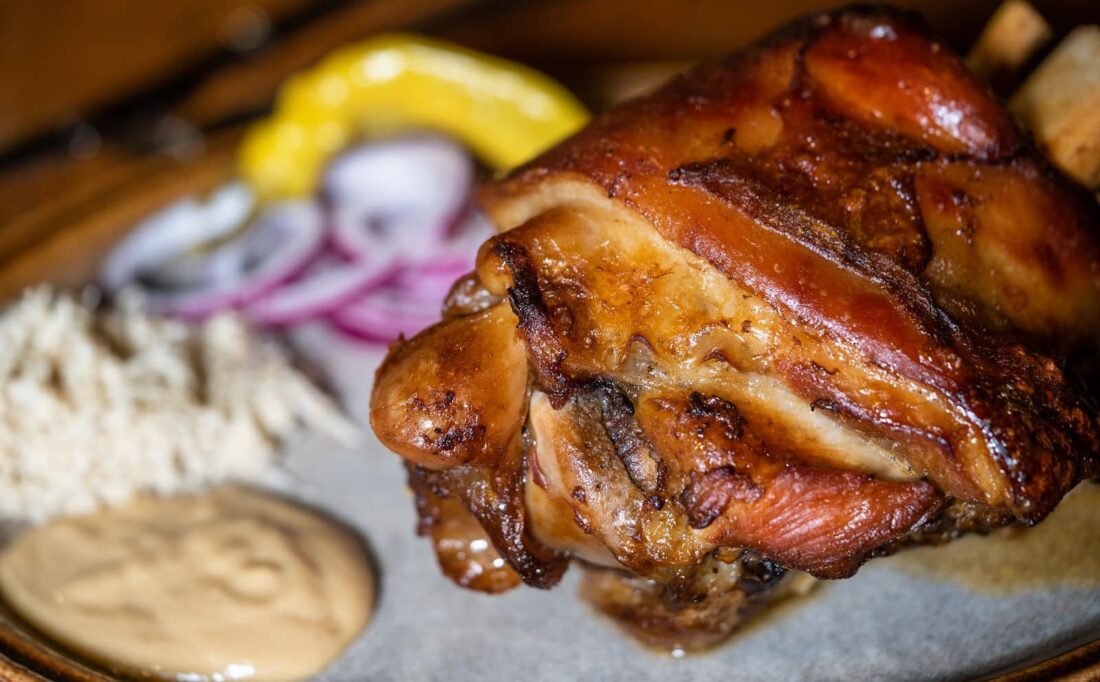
[(24, 658)]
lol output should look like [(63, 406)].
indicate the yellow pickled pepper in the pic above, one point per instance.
[(506, 113)]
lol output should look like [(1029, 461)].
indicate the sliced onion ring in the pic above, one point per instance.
[(325, 286), (383, 315), (413, 191), (429, 282), (275, 249), (396, 216), (173, 231)]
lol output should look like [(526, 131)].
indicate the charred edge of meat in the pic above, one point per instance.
[(721, 410), (427, 512), (445, 442), (955, 520), (701, 609), (495, 499), (525, 297), (759, 573), (1042, 432), (1042, 413), (644, 466), (707, 495), (453, 531)]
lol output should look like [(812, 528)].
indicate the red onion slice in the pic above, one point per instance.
[(175, 230), (399, 214), (411, 299), (383, 315), (276, 248), (221, 267), (412, 191), (356, 235), (324, 287), (429, 282)]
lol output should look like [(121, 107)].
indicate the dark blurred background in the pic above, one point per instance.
[(110, 107)]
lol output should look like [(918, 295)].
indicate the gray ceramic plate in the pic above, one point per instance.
[(931, 614)]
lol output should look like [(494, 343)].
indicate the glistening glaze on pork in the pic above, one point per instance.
[(808, 305)]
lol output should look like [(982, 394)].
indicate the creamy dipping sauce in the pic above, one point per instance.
[(231, 584)]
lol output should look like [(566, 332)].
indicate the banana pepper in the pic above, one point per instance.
[(506, 113)]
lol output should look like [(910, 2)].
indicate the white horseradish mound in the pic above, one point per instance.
[(96, 406)]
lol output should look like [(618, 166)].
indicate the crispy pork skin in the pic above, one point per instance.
[(800, 308)]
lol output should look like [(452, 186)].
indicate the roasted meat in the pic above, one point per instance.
[(806, 306)]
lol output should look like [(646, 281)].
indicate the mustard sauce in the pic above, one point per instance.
[(231, 584)]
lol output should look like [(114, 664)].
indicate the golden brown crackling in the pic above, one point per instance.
[(856, 177), (1015, 249), (882, 70), (797, 216), (725, 487), (455, 394), (883, 288), (741, 491), (494, 495), (461, 545), (603, 284)]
